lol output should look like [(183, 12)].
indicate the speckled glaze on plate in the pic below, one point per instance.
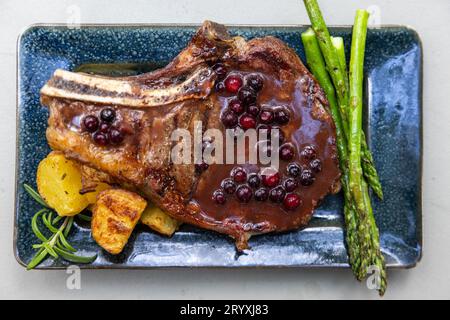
[(393, 125)]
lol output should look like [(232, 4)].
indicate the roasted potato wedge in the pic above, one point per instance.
[(59, 184), (159, 221), (114, 216)]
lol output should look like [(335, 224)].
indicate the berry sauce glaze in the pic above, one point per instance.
[(251, 204)]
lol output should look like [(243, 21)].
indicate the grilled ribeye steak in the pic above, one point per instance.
[(213, 80)]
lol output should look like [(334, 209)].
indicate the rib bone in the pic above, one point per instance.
[(127, 92)]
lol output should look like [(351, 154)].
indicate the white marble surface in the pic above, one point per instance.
[(430, 279)]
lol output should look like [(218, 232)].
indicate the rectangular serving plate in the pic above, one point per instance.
[(393, 114)]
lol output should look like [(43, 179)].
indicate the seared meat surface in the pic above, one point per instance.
[(149, 107)]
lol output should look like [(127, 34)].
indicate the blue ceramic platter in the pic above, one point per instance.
[(393, 126)]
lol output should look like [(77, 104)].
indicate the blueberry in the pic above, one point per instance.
[(308, 152), (277, 194), (108, 115), (294, 169), (255, 81), (253, 180), (307, 177), (261, 194), (316, 165), (247, 95), (290, 184), (228, 185)]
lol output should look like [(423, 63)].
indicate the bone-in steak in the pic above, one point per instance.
[(122, 127)]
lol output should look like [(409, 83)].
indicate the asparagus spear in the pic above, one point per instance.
[(317, 66), (334, 68), (377, 258), (338, 44), (331, 58), (357, 183), (366, 227), (355, 114), (367, 163), (369, 169)]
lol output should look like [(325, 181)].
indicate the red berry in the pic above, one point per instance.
[(271, 179), (239, 175), (282, 116), (116, 136), (247, 122), (90, 123), (291, 201), (219, 197), (236, 106), (244, 193), (266, 116), (104, 127), (233, 83), (100, 138), (287, 152), (229, 119), (253, 109)]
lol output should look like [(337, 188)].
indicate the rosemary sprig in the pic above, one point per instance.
[(84, 217), (56, 245)]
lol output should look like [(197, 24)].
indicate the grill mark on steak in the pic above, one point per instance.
[(141, 162)]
